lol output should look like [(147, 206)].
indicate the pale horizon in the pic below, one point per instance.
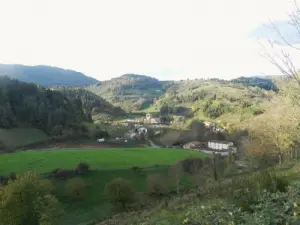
[(166, 39)]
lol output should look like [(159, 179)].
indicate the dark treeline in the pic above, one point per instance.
[(90, 102), (266, 84), (24, 104)]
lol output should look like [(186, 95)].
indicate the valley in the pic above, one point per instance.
[(155, 141)]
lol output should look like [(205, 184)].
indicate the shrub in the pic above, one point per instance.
[(120, 191), (57, 130), (192, 165), (175, 175), (27, 200), (156, 185), (136, 168), (82, 168), (4, 179), (76, 188), (12, 176), (64, 173), (247, 189)]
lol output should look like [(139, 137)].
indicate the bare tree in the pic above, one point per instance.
[(283, 60)]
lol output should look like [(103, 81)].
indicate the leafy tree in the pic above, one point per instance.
[(82, 168), (273, 133), (27, 200), (120, 191), (156, 185), (57, 130)]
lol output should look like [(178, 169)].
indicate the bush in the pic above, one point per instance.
[(27, 200), (82, 168), (4, 179), (247, 189), (76, 188), (12, 176), (64, 173), (156, 185), (192, 165), (120, 191), (57, 130)]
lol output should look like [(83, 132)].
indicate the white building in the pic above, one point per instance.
[(101, 140), (220, 145), (148, 116)]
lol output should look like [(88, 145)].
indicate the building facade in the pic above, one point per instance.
[(220, 145)]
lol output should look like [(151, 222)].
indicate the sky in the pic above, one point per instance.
[(166, 39)]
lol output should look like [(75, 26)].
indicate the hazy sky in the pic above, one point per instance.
[(167, 39)]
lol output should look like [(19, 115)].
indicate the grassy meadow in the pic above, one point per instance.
[(17, 137), (106, 164), (43, 161)]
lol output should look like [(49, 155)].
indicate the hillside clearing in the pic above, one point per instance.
[(17, 137), (45, 161)]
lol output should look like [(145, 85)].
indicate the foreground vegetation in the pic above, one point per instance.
[(259, 198), (84, 199)]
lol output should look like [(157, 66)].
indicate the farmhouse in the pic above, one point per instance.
[(191, 145), (148, 116), (209, 124), (155, 120), (220, 145), (101, 140)]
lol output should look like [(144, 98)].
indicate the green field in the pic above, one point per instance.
[(17, 137), (107, 164), (47, 160)]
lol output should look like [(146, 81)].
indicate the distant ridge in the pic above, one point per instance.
[(46, 75)]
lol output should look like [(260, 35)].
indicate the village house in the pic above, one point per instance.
[(148, 116), (209, 124), (220, 145), (192, 145), (155, 120)]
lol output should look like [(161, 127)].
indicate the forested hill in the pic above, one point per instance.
[(46, 75), (90, 102), (138, 92), (129, 91), (29, 105)]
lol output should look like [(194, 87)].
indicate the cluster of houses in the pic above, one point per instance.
[(212, 146), (138, 130), (213, 126)]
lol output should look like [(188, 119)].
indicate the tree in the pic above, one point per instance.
[(120, 191), (57, 130), (156, 185), (281, 58), (27, 200), (82, 168), (175, 174), (164, 110), (272, 132), (192, 165)]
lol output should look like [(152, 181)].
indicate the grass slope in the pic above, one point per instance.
[(17, 137), (47, 160)]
